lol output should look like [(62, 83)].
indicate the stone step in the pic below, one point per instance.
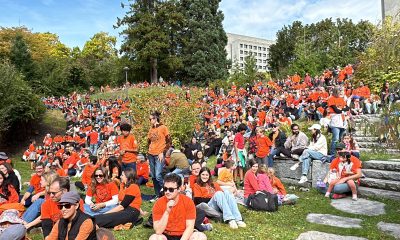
[(380, 193), (390, 165), (381, 174), (361, 133), (373, 145), (367, 116), (381, 184), (365, 139), (385, 150)]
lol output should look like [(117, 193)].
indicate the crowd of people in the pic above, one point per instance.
[(245, 128)]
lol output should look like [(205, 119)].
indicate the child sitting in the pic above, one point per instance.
[(277, 186), (225, 177), (142, 169), (263, 180)]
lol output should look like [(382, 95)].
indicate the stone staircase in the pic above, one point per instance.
[(381, 179), (368, 141)]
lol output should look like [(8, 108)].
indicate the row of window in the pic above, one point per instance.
[(257, 66), (253, 47), (258, 60), (259, 54)]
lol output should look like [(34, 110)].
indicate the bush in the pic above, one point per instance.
[(18, 104)]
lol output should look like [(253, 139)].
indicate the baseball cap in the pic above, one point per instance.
[(315, 126)]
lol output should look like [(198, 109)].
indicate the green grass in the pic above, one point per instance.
[(54, 120)]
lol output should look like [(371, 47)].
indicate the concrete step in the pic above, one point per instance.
[(365, 139), (390, 165), (380, 183), (381, 174), (380, 193), (384, 150)]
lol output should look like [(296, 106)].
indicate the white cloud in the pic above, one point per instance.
[(263, 18)]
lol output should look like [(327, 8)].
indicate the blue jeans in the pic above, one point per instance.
[(156, 168), (92, 213), (306, 158), (337, 134), (125, 166), (33, 210), (181, 172), (93, 149), (142, 181), (14, 231), (341, 188), (225, 202)]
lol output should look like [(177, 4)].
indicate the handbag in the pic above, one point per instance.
[(263, 201)]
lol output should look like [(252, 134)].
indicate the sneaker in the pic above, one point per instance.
[(303, 179), (241, 224), (327, 194), (207, 227), (233, 224), (295, 156), (355, 197), (154, 199), (295, 166)]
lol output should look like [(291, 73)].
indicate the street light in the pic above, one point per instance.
[(126, 74)]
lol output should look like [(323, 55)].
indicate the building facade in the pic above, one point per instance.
[(239, 47)]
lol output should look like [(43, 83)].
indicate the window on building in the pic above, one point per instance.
[(241, 64), (255, 47), (264, 55), (265, 61), (241, 45), (245, 46), (264, 49), (265, 67), (246, 52), (241, 51), (241, 58), (251, 47), (259, 48), (259, 54)]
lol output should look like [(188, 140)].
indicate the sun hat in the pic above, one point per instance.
[(11, 216)]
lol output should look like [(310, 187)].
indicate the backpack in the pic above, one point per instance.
[(263, 201)]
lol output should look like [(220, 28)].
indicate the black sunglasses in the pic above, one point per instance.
[(66, 206), (169, 189), (98, 175)]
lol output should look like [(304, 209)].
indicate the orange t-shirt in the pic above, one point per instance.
[(157, 138), (104, 192), (336, 101), (355, 165), (13, 198), (192, 180), (132, 190), (225, 175), (128, 142), (205, 192), (142, 169), (277, 184), (182, 211), (87, 174), (35, 183), (263, 146)]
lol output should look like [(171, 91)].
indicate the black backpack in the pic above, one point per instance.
[(263, 201)]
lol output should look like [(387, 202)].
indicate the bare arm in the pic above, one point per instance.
[(159, 226), (189, 230)]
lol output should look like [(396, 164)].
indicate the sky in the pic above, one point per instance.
[(76, 21)]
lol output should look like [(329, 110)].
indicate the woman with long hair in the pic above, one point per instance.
[(102, 194), (8, 194), (10, 175), (205, 190), (351, 145), (32, 214), (130, 200)]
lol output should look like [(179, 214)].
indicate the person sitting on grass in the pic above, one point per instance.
[(263, 180), (102, 194), (87, 174), (277, 186), (128, 210), (174, 214), (225, 177), (34, 187), (205, 190), (142, 170), (74, 224), (348, 170), (8, 194)]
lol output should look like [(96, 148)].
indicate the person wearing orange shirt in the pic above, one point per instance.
[(93, 141), (143, 170), (159, 142), (174, 214), (87, 174), (34, 187), (130, 200), (128, 147), (263, 144), (349, 71)]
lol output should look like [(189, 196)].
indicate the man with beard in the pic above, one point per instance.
[(297, 142)]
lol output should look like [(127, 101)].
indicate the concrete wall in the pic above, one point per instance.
[(318, 170)]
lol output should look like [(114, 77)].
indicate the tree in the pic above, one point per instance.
[(101, 46), (144, 38), (203, 49), (21, 57)]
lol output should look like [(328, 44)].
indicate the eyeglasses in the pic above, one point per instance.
[(66, 206), (169, 189), (98, 175), (54, 193)]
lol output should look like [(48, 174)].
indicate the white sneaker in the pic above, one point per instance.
[(295, 156), (233, 224), (303, 179), (282, 155), (295, 166), (154, 199), (241, 224)]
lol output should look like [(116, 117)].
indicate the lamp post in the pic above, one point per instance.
[(126, 75)]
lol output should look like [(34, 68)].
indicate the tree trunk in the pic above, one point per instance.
[(153, 70)]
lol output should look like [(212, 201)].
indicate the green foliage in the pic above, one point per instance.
[(317, 46), (380, 61), (18, 104), (21, 57), (101, 46)]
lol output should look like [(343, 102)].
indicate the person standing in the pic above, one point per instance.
[(159, 142), (129, 147), (337, 107)]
